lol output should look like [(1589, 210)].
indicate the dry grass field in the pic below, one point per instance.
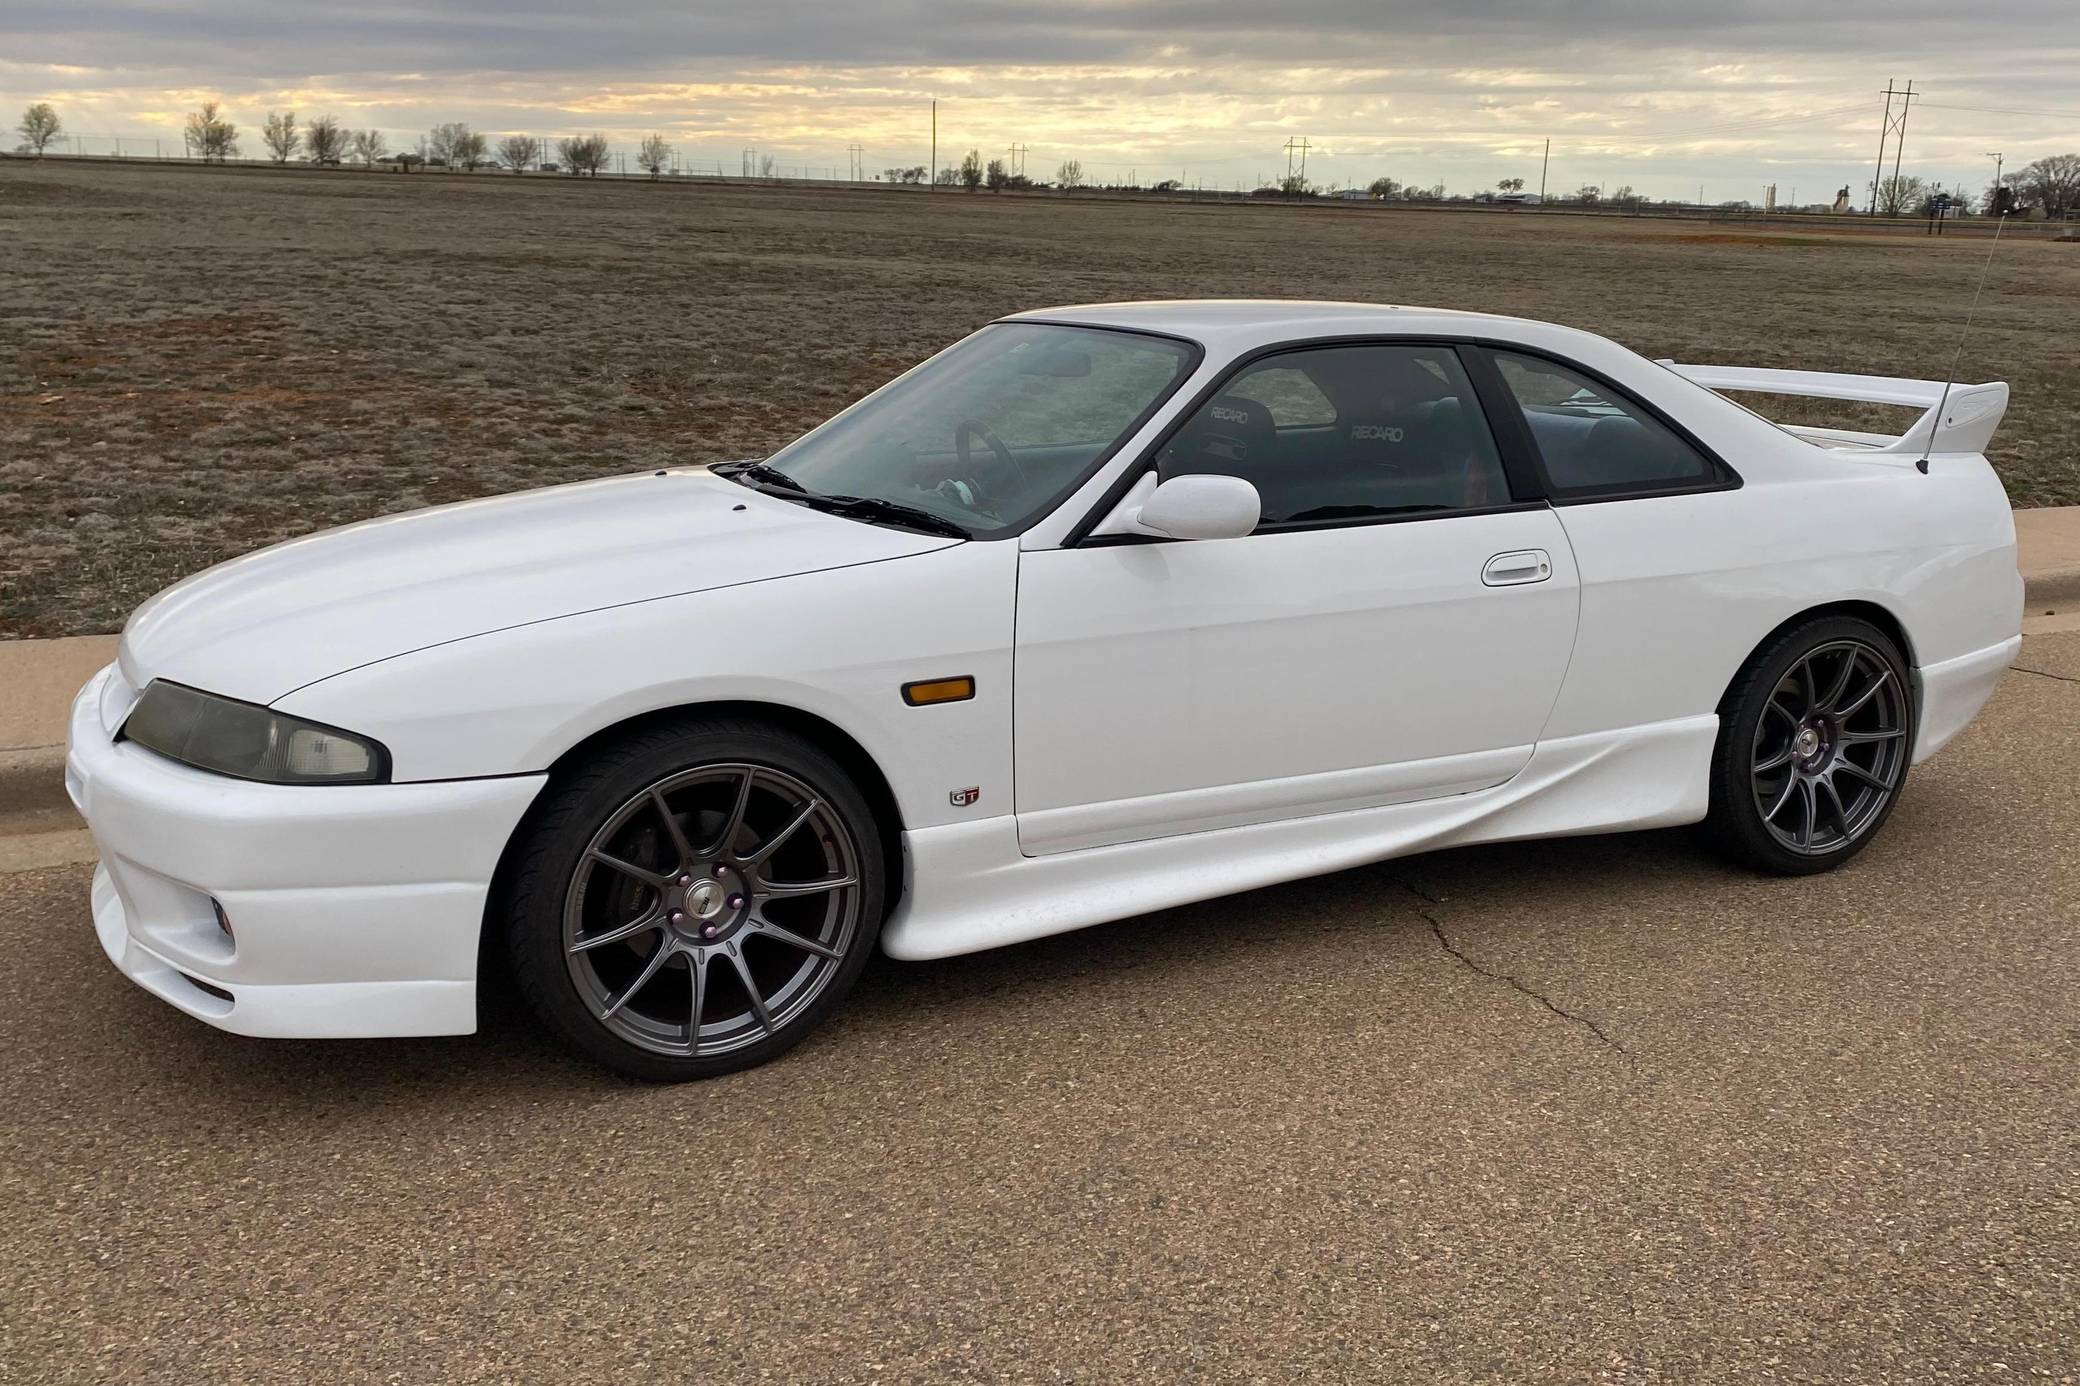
[(198, 362)]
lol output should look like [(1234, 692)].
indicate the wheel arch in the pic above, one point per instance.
[(839, 743), (1881, 617)]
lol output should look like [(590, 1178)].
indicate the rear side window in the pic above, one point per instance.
[(1592, 439)]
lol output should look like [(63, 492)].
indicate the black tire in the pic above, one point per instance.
[(555, 873), (1797, 670)]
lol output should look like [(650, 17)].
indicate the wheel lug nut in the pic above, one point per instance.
[(736, 902), (678, 916), (686, 880)]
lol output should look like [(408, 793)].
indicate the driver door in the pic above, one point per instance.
[(1396, 629)]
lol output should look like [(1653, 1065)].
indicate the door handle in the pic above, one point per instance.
[(1517, 567)]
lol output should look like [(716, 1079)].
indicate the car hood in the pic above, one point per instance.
[(261, 626)]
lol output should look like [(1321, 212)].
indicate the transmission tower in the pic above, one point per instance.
[(1894, 132), (1300, 146)]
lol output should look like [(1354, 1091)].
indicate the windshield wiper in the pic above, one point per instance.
[(758, 476), (876, 508)]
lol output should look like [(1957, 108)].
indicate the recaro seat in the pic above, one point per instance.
[(1230, 436)]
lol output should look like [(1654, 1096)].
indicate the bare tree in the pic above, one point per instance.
[(1070, 174), (39, 127), (457, 146), (767, 164), (913, 174), (281, 136), (971, 170), (2053, 183), (436, 145), (1383, 187), (208, 136), (325, 141), (1510, 185), (1901, 195), (517, 152), (655, 155), (583, 154), (947, 177), (370, 147)]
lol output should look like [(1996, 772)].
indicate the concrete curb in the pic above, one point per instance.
[(2045, 593), (32, 791), (32, 778)]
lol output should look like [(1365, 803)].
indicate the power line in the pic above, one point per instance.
[(1999, 110), (1612, 137)]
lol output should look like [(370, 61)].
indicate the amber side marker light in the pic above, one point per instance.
[(929, 691)]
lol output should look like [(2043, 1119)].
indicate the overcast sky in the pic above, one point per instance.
[(1664, 96)]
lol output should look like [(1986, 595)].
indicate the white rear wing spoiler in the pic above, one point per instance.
[(1970, 413)]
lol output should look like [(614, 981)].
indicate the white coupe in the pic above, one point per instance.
[(1098, 611)]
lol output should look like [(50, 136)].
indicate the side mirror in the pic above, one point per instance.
[(1200, 507)]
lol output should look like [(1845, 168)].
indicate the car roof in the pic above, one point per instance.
[(1228, 325)]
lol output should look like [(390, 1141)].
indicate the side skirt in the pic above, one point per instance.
[(969, 887)]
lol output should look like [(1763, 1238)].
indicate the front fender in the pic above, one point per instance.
[(838, 645)]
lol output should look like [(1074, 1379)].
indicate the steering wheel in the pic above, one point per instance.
[(965, 450)]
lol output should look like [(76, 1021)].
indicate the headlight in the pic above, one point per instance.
[(249, 741)]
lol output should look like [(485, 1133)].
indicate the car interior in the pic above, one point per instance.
[(1366, 431)]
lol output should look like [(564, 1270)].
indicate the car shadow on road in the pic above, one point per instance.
[(1360, 910)]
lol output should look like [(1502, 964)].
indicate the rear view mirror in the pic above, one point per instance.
[(1062, 363), (1200, 507)]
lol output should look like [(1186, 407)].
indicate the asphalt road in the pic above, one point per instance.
[(1591, 1110)]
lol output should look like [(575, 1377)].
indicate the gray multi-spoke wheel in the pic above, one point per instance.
[(1813, 749), (696, 899)]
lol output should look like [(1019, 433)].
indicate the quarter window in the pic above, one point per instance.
[(1591, 439), (1340, 435)]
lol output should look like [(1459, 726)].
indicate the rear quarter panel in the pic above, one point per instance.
[(1678, 591)]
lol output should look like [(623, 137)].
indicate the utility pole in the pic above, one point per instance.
[(1543, 163), (1995, 155), (1890, 127), (1299, 145), (856, 164), (932, 176), (1018, 159)]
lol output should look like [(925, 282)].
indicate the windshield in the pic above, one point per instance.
[(992, 432)]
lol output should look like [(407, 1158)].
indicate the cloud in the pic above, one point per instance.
[(1629, 91)]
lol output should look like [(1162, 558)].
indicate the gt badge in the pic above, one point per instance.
[(961, 798)]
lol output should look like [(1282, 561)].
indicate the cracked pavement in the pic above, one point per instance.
[(1588, 1109)]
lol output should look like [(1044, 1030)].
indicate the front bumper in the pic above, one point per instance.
[(355, 909)]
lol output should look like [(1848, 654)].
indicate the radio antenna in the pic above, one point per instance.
[(1936, 421)]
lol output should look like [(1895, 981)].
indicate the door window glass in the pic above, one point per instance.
[(1336, 435)]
